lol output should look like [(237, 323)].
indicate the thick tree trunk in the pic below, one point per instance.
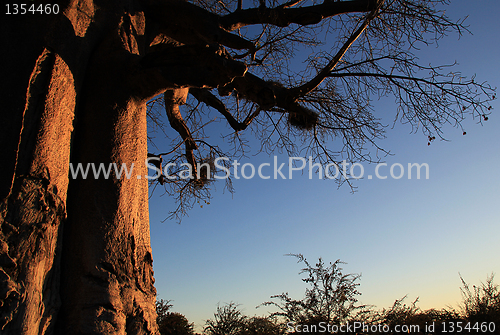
[(32, 216), (75, 255), (107, 281)]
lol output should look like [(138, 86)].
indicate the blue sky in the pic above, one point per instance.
[(406, 237)]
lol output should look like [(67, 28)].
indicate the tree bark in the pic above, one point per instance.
[(107, 277), (75, 255)]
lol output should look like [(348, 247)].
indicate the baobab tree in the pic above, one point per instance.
[(75, 253)]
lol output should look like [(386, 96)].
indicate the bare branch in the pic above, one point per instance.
[(313, 83), (174, 98), (324, 110), (211, 100)]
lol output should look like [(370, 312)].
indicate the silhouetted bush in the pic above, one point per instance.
[(259, 325), (172, 323), (481, 303), (175, 324), (228, 320)]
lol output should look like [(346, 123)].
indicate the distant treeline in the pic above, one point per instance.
[(330, 306)]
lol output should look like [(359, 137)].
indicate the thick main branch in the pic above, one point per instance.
[(282, 16), (268, 95), (190, 24), (185, 66)]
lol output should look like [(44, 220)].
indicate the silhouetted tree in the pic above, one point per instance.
[(162, 308), (171, 322), (331, 297), (77, 80), (228, 320), (175, 324)]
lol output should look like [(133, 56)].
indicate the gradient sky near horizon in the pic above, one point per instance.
[(406, 237)]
